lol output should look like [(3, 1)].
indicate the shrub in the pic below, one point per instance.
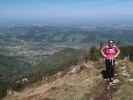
[(57, 62), (94, 54), (126, 51), (3, 89)]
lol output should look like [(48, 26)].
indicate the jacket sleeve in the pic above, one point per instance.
[(103, 51)]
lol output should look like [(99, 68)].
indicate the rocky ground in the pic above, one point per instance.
[(82, 82)]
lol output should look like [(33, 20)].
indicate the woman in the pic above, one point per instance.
[(110, 52)]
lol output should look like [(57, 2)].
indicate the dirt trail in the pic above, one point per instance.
[(107, 93)]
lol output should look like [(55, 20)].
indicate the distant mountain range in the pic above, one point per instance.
[(68, 34)]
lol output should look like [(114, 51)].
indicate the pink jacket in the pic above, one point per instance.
[(110, 52)]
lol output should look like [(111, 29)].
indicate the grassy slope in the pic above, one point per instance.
[(126, 84), (85, 85), (69, 87), (56, 62)]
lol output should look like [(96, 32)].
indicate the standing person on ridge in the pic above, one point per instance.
[(110, 52)]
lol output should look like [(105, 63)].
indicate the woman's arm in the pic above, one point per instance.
[(117, 53), (103, 52)]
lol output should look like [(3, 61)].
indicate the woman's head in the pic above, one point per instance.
[(110, 43)]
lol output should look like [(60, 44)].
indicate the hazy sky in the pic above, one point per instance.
[(65, 10)]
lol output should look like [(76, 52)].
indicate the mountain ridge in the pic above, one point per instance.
[(81, 82)]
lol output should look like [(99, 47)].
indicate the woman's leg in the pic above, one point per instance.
[(113, 69), (108, 69)]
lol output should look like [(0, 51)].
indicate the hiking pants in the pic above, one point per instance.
[(110, 64)]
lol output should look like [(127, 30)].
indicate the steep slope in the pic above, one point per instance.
[(125, 75), (81, 82), (77, 84)]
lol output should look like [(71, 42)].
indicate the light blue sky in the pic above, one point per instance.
[(65, 10)]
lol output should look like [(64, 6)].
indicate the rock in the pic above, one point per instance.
[(116, 63), (86, 65), (124, 71), (59, 74), (116, 81), (130, 80), (10, 92), (123, 68), (25, 80), (125, 74), (75, 69)]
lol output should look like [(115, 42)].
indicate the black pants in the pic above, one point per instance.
[(110, 64)]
